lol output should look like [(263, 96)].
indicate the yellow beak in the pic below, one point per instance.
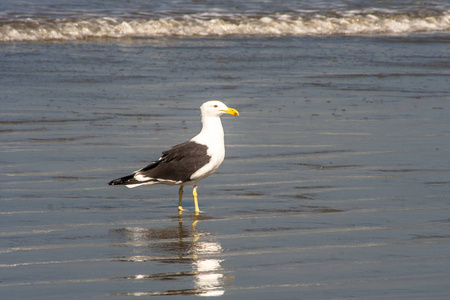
[(231, 111)]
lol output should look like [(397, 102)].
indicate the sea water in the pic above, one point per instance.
[(336, 178), (59, 20)]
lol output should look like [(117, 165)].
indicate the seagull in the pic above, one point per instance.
[(189, 162)]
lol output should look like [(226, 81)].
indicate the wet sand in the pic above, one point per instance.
[(335, 185)]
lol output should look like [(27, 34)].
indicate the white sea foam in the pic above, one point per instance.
[(345, 23)]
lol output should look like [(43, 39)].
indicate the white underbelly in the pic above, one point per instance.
[(208, 169)]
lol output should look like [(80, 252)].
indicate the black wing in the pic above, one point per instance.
[(176, 164)]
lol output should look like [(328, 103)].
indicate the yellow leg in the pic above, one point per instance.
[(180, 197), (194, 193)]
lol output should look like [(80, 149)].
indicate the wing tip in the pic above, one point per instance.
[(121, 180)]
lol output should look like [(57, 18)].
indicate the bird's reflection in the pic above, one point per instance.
[(177, 244)]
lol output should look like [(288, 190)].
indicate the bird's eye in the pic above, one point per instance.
[(215, 106)]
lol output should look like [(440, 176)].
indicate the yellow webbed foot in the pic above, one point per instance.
[(197, 212)]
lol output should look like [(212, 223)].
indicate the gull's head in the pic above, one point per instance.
[(216, 109)]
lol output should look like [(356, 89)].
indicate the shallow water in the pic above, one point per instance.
[(336, 182)]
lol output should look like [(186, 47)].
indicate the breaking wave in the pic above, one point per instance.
[(195, 25)]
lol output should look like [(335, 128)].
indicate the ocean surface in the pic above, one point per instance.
[(336, 182), (51, 20)]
